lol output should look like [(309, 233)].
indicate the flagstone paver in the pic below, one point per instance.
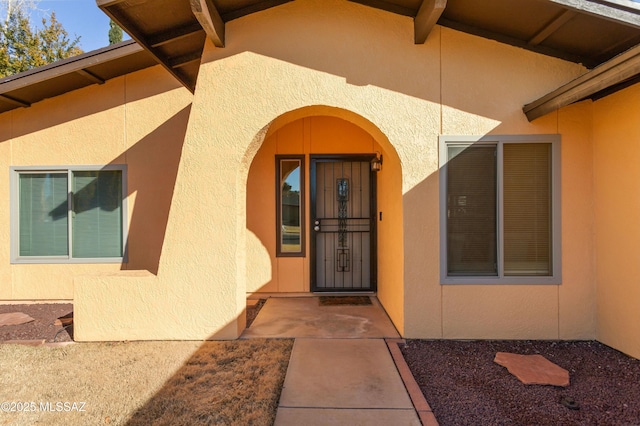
[(533, 369), (14, 318)]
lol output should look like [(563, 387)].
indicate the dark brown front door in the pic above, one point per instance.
[(343, 208)]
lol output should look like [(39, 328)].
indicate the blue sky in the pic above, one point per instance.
[(80, 17)]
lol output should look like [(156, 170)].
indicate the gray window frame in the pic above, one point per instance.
[(15, 172), (556, 216)]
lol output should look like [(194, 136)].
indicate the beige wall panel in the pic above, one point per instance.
[(331, 136), (577, 292), (83, 127), (485, 84), (50, 281), (290, 138), (617, 195), (500, 312), (291, 274), (154, 139), (138, 292), (5, 162), (262, 270), (145, 91), (390, 238), (423, 292)]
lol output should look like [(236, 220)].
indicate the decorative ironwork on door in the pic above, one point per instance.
[(342, 210), (342, 194)]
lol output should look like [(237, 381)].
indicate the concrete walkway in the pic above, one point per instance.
[(343, 382), (340, 371)]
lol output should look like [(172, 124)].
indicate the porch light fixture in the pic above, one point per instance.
[(376, 163)]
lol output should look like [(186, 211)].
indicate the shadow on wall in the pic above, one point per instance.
[(152, 171), (153, 164)]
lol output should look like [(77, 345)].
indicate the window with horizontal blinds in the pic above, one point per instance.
[(43, 214), (500, 217), (471, 211), (527, 209), (68, 215), (97, 214)]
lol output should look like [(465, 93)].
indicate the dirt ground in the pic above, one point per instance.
[(465, 387), (135, 383)]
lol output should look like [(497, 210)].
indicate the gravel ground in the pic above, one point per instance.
[(43, 327), (45, 314), (465, 387)]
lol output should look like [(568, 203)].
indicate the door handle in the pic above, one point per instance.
[(317, 227)]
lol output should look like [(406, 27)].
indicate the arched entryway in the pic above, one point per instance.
[(318, 218)]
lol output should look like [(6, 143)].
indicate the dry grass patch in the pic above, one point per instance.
[(235, 382)]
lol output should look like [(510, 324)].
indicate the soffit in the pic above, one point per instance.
[(96, 67), (172, 33), (583, 31)]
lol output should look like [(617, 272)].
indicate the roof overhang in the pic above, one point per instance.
[(590, 32), (173, 32), (619, 72), (26, 88)]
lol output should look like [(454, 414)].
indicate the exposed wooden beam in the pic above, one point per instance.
[(552, 27), (183, 60), (388, 6), (251, 8), (107, 3), (428, 14), (15, 101), (174, 35), (207, 14), (90, 76), (121, 19), (619, 69)]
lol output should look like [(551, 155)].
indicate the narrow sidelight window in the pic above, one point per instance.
[(290, 205)]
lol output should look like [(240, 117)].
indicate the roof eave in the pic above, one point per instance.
[(623, 67)]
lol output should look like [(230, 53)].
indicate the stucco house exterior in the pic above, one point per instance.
[(475, 165)]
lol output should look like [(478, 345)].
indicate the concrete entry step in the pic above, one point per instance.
[(305, 317), (351, 381)]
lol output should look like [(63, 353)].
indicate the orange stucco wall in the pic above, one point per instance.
[(616, 132), (288, 82), (115, 123)]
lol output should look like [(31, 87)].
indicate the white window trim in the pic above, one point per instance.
[(15, 215), (556, 199)]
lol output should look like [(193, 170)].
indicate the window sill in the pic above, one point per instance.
[(65, 260), (501, 281)]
